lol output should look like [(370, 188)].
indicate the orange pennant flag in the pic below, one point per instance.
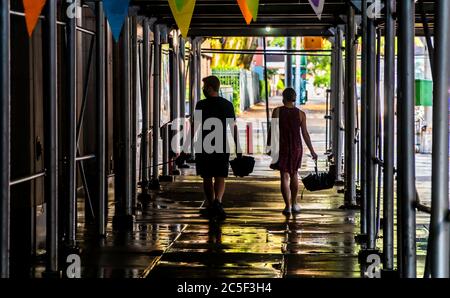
[(33, 9), (245, 11)]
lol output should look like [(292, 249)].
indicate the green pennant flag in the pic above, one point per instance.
[(182, 11), (253, 6)]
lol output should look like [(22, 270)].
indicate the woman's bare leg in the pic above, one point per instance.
[(285, 190), (208, 188), (219, 188), (294, 188)]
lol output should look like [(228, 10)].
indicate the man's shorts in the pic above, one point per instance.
[(212, 165)]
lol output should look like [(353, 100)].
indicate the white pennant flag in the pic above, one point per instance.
[(317, 5)]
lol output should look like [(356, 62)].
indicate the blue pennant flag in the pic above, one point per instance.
[(116, 11)]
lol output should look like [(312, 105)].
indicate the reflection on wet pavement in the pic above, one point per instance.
[(171, 239), (256, 240)]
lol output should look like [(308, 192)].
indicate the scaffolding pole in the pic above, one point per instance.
[(101, 120), (156, 104), (370, 136), (288, 74), (51, 138), (145, 103), (350, 109), (363, 133), (5, 129), (440, 239), (388, 152), (406, 190), (71, 35)]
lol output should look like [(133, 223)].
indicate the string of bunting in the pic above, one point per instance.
[(116, 12)]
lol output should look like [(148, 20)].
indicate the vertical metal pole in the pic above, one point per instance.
[(101, 119), (182, 79), (333, 97), (5, 107), (71, 31), (266, 82), (192, 90), (198, 82), (370, 136), (288, 72), (379, 124), (127, 119), (156, 101), (406, 190), (133, 104), (51, 137), (165, 150), (363, 133), (175, 79), (145, 102), (440, 245), (298, 73), (388, 175), (350, 109), (337, 140)]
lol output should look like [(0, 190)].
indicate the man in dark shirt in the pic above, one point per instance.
[(214, 115)]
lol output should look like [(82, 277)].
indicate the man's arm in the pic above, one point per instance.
[(306, 136)]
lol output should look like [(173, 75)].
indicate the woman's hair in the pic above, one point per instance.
[(289, 94)]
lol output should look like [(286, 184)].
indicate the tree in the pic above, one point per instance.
[(320, 68), (233, 60)]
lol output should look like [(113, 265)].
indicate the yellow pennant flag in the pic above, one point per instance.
[(182, 11), (32, 10)]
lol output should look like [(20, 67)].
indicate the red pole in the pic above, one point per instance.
[(249, 130)]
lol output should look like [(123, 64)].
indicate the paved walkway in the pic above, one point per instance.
[(171, 239)]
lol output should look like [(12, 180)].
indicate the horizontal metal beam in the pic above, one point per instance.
[(86, 157), (26, 179)]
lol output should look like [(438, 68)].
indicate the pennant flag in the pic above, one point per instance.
[(33, 9), (182, 11), (245, 11), (116, 11), (249, 9), (317, 5), (253, 6)]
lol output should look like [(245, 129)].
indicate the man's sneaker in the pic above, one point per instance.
[(296, 208), (218, 210), (287, 211)]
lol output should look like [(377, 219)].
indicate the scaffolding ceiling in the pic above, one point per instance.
[(284, 17)]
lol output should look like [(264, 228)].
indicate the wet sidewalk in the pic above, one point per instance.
[(171, 239), (255, 240)]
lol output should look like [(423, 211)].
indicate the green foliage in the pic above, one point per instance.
[(262, 89), (229, 75), (276, 42), (320, 68), (280, 85), (236, 101)]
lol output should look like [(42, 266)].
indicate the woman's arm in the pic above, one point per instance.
[(306, 136)]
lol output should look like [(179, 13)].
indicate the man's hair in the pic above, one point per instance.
[(289, 94), (213, 82)]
